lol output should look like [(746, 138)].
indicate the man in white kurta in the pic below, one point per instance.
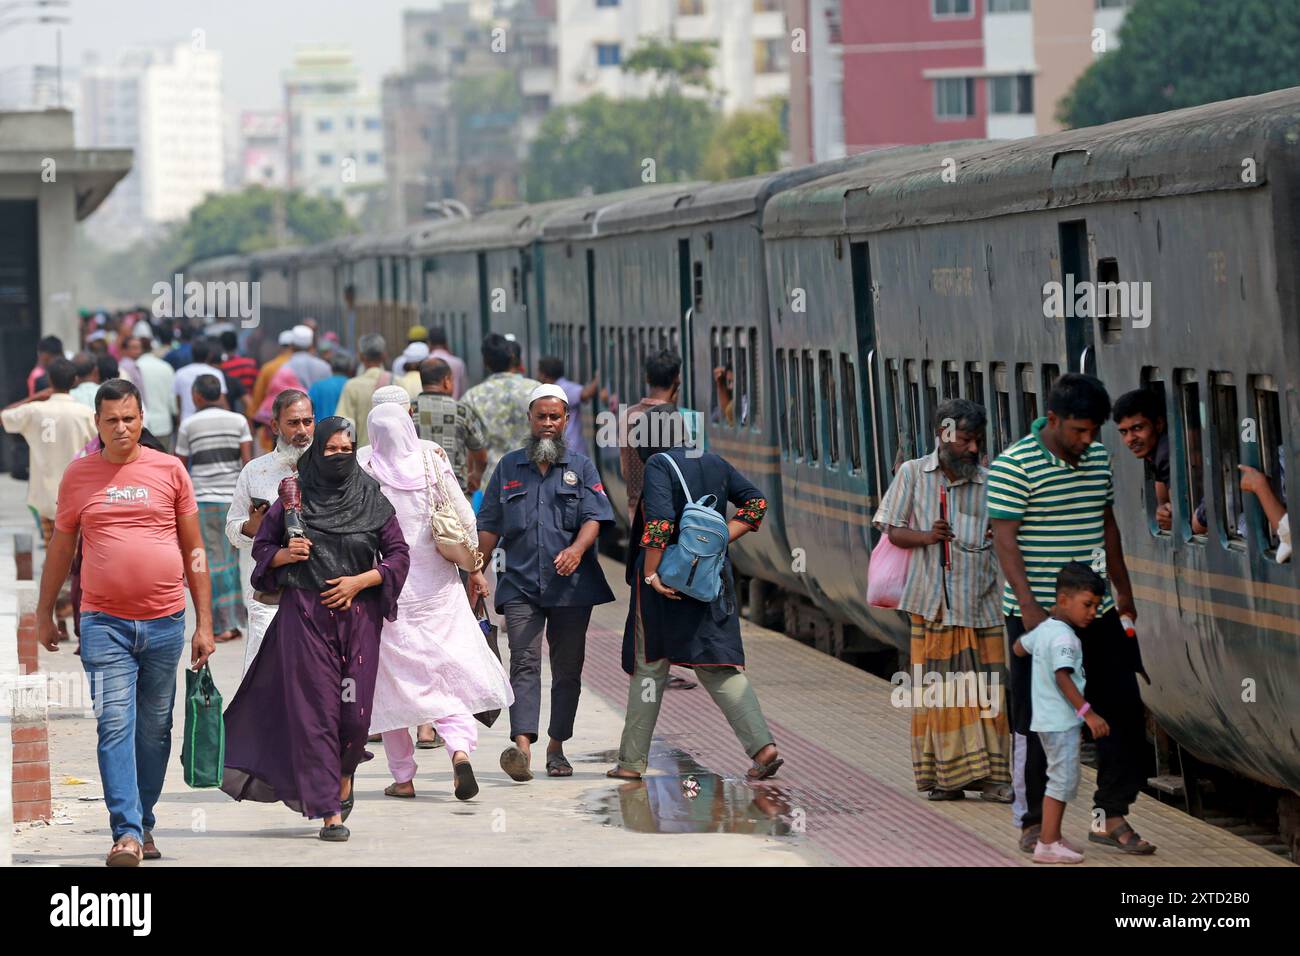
[(292, 423)]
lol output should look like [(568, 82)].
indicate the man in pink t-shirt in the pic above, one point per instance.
[(135, 511)]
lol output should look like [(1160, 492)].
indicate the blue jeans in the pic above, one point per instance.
[(131, 666)]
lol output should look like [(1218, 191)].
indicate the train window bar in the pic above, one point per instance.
[(1051, 372), (621, 379), (1226, 454), (1001, 408), (754, 394), (584, 370), (1153, 381), (931, 383), (894, 427), (829, 410), (1109, 297), (810, 406), (852, 426), (796, 415), (697, 278), (1191, 464), (915, 415), (1266, 453), (951, 380), (1028, 386), (782, 403), (975, 383), (715, 360), (741, 397)]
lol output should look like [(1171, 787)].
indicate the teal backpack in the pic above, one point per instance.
[(692, 565)]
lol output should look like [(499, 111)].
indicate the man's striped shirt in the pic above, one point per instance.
[(210, 438), (1061, 510)]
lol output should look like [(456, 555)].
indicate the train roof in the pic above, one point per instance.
[(1199, 149), (714, 202), (586, 217), (397, 241), (218, 264)]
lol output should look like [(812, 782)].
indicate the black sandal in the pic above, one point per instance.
[(761, 771), (335, 833), (558, 766), (466, 785), (345, 806), (1135, 845)]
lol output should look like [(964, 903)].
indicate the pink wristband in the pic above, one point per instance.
[(1083, 710)]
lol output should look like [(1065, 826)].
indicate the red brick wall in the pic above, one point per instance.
[(31, 772)]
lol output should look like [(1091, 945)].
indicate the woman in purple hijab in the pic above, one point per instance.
[(297, 728)]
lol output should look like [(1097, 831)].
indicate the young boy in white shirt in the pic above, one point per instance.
[(1057, 694)]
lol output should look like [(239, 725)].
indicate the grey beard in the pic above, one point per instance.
[(961, 467), (543, 451), (288, 451)]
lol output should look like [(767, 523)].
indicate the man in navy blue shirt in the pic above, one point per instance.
[(544, 505)]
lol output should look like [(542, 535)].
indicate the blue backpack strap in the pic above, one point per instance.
[(685, 487)]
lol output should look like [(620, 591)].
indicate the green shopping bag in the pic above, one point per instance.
[(203, 755)]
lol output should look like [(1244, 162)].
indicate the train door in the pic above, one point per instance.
[(864, 313), (686, 310), (484, 306), (1080, 347)]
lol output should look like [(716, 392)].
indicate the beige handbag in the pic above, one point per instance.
[(449, 534)]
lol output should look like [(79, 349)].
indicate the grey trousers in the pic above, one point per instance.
[(566, 635)]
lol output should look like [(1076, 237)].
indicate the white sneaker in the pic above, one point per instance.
[(1055, 853)]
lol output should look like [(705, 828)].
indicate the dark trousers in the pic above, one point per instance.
[(1123, 757), (566, 635)]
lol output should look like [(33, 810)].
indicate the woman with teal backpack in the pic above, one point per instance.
[(665, 625)]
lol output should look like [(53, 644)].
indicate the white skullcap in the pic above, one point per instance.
[(415, 353), (548, 391), (301, 336), (390, 393), (143, 330), (286, 337), (96, 335)]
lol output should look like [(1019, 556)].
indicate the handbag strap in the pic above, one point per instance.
[(685, 487)]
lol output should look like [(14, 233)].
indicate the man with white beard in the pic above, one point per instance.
[(545, 505), (292, 424)]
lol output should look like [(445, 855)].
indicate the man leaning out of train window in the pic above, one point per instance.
[(1255, 482), (1139, 417)]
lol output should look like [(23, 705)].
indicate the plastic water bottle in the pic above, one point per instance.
[(1129, 627)]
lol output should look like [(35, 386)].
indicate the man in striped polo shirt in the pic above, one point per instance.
[(215, 443), (1049, 498)]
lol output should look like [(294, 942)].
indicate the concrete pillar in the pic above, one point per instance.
[(59, 269)]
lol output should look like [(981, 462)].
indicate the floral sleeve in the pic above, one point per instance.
[(657, 534), (752, 512)]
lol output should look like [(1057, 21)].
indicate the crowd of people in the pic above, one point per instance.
[(357, 525)]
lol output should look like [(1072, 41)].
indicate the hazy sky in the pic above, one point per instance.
[(256, 37)]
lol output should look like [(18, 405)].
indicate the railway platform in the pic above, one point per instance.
[(845, 796)]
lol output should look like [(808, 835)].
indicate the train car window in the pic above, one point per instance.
[(1109, 296), (975, 383), (379, 274), (1225, 449), (829, 411), (1153, 382), (810, 405), (849, 389), (795, 403), (897, 443), (782, 403), (916, 417), (742, 397), (931, 382), (1028, 386), (584, 357), (1267, 450), (1002, 436), (715, 362), (624, 394), (951, 380), (697, 285), (1189, 434), (755, 392), (673, 341), (514, 284), (1050, 374)]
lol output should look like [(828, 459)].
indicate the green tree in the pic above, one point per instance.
[(600, 144), (747, 142), (1178, 53), (231, 223)]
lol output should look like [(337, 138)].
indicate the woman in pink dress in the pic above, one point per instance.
[(434, 663)]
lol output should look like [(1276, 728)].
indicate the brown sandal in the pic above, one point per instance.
[(149, 848), (126, 852), (391, 791), (618, 773), (1134, 845), (761, 771)]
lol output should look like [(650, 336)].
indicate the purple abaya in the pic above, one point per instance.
[(299, 721)]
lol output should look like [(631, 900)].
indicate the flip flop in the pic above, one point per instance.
[(939, 795), (466, 785), (149, 848), (1135, 846), (335, 833), (558, 766), (125, 852), (515, 763), (391, 791), (614, 774), (433, 744), (761, 771)]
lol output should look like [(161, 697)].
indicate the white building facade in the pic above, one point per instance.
[(751, 55)]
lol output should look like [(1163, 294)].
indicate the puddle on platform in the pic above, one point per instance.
[(683, 797)]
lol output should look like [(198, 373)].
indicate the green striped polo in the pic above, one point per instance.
[(1061, 510)]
